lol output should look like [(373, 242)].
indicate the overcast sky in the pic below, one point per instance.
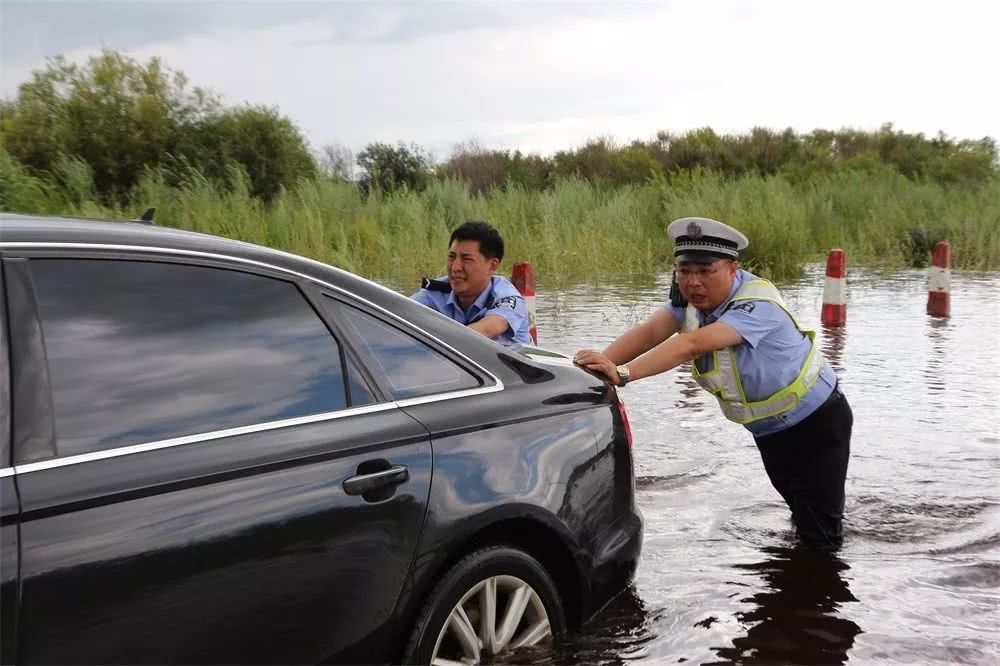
[(546, 76)]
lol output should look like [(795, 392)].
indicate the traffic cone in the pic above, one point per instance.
[(835, 290), (939, 282), (523, 279)]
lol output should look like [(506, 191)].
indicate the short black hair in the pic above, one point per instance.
[(490, 241)]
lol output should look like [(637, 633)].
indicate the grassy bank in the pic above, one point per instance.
[(569, 233)]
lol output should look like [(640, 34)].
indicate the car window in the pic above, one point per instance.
[(407, 365), (142, 351), (360, 395)]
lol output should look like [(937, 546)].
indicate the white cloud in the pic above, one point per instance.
[(551, 82)]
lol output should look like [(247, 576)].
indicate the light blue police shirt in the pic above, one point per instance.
[(770, 356), (501, 298)]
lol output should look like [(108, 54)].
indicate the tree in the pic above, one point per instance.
[(388, 167), (697, 148), (114, 113), (337, 161), (633, 164), (767, 152), (268, 145), (965, 162), (479, 167), (118, 116)]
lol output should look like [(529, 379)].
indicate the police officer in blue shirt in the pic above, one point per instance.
[(764, 368), (471, 293)]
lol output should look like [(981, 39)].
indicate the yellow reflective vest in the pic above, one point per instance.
[(723, 378)]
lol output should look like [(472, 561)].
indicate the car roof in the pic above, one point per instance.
[(18, 228), (37, 229)]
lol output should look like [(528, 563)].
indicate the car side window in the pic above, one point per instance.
[(140, 351), (408, 366)]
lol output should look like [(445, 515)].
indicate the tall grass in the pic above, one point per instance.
[(571, 233)]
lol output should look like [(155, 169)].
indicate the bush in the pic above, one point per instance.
[(267, 145), (118, 116), (114, 113), (22, 192), (389, 167)]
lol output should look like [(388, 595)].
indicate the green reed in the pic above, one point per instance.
[(570, 233)]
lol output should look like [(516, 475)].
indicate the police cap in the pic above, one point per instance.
[(702, 240)]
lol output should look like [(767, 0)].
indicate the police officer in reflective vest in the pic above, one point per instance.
[(748, 350), (472, 293)]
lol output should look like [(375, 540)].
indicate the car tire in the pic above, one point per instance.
[(501, 576)]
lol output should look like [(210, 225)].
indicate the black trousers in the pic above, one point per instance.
[(807, 465)]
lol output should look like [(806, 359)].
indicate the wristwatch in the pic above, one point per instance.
[(623, 375)]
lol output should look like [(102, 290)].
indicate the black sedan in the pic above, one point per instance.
[(215, 452)]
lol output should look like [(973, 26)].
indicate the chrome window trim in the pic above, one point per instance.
[(464, 393), (200, 437), (232, 432), (194, 439)]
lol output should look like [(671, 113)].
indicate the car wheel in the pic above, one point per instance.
[(495, 600)]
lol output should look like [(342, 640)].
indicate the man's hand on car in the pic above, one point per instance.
[(598, 362)]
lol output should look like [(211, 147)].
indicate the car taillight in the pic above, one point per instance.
[(628, 428)]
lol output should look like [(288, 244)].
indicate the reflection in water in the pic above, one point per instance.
[(617, 636), (832, 346), (692, 394), (936, 371), (795, 616)]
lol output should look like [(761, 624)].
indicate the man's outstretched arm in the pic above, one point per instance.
[(491, 326)]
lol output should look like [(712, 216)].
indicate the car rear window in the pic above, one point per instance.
[(408, 366), (143, 351)]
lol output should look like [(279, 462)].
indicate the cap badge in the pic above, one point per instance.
[(694, 230)]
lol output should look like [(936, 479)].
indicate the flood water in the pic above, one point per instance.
[(918, 577)]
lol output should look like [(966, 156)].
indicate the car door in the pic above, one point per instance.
[(206, 474)]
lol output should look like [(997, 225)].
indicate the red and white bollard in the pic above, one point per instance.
[(939, 282), (523, 279), (835, 291)]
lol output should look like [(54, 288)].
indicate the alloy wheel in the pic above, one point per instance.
[(498, 614)]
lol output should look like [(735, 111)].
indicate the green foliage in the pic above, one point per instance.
[(572, 231), (634, 164), (701, 148), (118, 116), (22, 192), (485, 170), (389, 167), (115, 114), (74, 179), (968, 163), (482, 169), (591, 161), (268, 146), (802, 158), (530, 172)]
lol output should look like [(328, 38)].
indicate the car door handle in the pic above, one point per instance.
[(363, 483)]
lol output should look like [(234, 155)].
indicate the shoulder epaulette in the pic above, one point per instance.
[(435, 285)]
